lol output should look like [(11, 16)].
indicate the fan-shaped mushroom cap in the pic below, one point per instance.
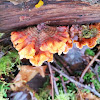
[(39, 44)]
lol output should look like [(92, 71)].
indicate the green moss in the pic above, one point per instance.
[(63, 96), (8, 61), (44, 92)]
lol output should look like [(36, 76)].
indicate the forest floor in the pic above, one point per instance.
[(71, 76)]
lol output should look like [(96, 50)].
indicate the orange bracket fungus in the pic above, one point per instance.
[(88, 36), (38, 44)]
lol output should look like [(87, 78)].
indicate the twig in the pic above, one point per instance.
[(50, 69), (55, 87), (95, 59), (55, 62), (88, 66), (79, 91), (63, 84), (76, 82)]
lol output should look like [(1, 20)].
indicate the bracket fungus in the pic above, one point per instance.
[(38, 44), (88, 36)]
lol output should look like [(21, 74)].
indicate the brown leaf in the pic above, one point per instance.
[(26, 74), (88, 96)]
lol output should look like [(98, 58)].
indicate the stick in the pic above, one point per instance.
[(89, 65), (76, 82), (51, 74), (55, 87), (63, 84), (95, 59)]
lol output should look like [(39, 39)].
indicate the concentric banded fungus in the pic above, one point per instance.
[(90, 39), (40, 43)]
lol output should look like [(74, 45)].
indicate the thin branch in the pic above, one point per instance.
[(63, 84), (79, 91), (95, 59), (51, 74), (55, 62), (55, 87), (76, 82), (89, 65)]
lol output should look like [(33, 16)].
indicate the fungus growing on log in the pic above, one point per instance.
[(38, 44), (88, 36)]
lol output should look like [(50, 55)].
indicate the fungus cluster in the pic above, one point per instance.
[(88, 35), (38, 44)]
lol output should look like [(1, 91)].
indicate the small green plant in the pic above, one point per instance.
[(3, 89), (86, 90), (71, 87), (88, 77), (99, 71), (63, 96), (89, 52), (8, 61), (96, 84), (44, 93)]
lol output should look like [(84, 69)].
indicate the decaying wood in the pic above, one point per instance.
[(13, 17)]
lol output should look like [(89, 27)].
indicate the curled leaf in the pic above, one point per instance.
[(26, 74)]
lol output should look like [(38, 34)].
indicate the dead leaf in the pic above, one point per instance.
[(26, 74), (88, 96)]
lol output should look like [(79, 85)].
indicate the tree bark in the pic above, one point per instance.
[(14, 17)]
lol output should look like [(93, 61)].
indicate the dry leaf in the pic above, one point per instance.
[(26, 74), (89, 96)]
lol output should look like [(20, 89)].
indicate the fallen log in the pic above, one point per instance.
[(14, 17)]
